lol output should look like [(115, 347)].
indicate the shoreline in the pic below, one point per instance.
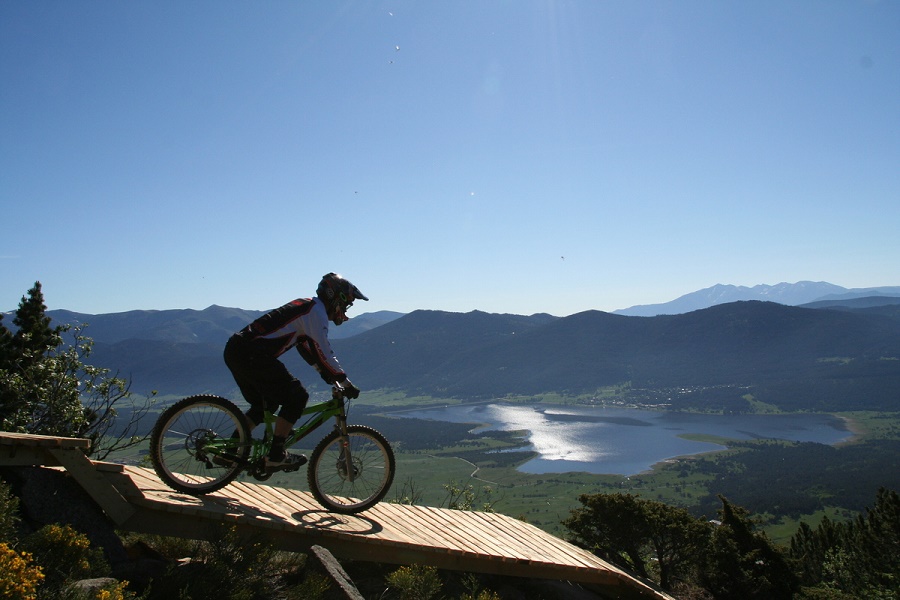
[(857, 431)]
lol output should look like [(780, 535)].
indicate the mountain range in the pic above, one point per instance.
[(791, 294), (212, 325), (835, 354), (792, 357)]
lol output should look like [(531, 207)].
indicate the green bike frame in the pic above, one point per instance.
[(316, 415)]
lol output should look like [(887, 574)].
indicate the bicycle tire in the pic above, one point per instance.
[(176, 444), (373, 459)]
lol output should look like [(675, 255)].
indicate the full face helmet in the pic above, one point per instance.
[(338, 295)]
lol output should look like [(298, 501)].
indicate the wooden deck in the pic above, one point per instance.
[(136, 500)]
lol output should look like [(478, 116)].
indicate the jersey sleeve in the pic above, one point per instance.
[(316, 349)]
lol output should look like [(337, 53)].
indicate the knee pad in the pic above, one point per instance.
[(294, 402)]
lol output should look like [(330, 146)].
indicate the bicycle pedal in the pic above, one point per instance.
[(283, 469)]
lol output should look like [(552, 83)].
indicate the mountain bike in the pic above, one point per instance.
[(202, 443)]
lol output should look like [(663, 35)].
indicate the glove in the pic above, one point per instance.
[(350, 390)]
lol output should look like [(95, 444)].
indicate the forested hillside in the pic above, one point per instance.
[(792, 357), (836, 358)]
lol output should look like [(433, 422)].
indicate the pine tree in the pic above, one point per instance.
[(860, 558), (36, 394), (864, 561), (610, 526), (810, 548), (47, 387), (742, 564), (650, 538), (882, 540), (7, 360), (34, 338), (21, 354), (6, 346)]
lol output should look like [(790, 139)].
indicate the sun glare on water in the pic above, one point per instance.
[(552, 440)]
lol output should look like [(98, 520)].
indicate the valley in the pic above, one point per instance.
[(840, 358), (781, 483)]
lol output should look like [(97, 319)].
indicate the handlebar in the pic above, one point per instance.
[(339, 391)]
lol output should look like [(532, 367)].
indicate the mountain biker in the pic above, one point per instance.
[(252, 354)]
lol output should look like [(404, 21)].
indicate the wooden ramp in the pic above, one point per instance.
[(136, 500)]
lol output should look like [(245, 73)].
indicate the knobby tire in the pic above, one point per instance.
[(177, 444), (373, 461)]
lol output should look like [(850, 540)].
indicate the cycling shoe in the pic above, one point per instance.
[(289, 462)]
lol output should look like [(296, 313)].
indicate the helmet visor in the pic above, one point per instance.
[(356, 294)]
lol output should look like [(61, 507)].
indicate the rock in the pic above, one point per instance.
[(322, 561), (93, 585)]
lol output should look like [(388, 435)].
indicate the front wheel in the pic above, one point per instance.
[(200, 444), (360, 486)]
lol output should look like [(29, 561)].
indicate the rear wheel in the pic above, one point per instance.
[(332, 483), (199, 444)]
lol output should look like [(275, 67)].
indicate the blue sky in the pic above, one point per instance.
[(506, 156)]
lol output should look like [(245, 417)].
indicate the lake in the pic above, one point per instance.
[(628, 441)]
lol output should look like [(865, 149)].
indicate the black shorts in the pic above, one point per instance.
[(264, 381)]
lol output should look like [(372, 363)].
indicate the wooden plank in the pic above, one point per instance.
[(280, 503), (94, 483), (285, 505), (440, 529), (525, 551), (505, 526), (136, 485), (307, 512), (399, 527), (26, 456), (288, 502), (426, 536), (496, 544), (309, 515), (127, 484), (108, 466), (406, 527), (139, 481), (583, 557), (240, 496), (527, 541), (301, 502), (252, 501), (546, 560), (472, 541), (8, 438)]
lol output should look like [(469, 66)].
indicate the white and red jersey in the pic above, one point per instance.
[(301, 324)]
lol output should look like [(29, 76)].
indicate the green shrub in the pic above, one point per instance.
[(313, 587), (9, 513), (115, 590), (472, 585), (171, 548), (482, 595), (232, 567), (415, 582), (64, 555)]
